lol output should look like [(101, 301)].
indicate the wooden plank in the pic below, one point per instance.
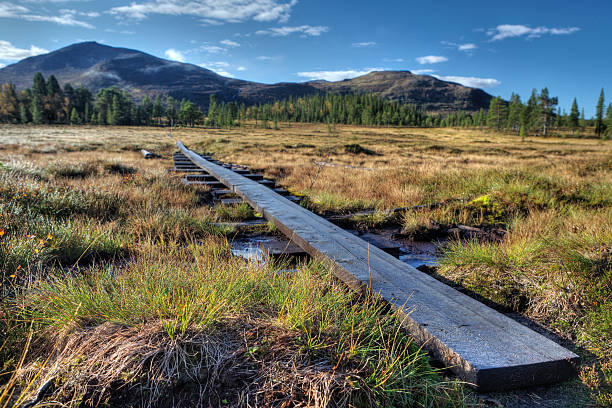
[(482, 346)]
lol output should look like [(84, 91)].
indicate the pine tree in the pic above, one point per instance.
[(171, 112), (39, 86), (497, 116), (514, 112), (574, 116), (533, 112), (599, 123), (147, 111), (524, 118), (23, 113), (522, 133), (158, 110), (547, 107), (75, 119), (53, 87), (37, 110)]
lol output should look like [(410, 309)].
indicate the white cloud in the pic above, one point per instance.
[(517, 30), (65, 18), (2, 65), (422, 71), (241, 69), (125, 32), (174, 55), (305, 30), (211, 11), (9, 10), (12, 53), (470, 81), (467, 47), (431, 59), (213, 49), (366, 44), (393, 59), (230, 43), (266, 58), (91, 14), (337, 75)]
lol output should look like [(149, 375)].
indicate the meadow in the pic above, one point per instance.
[(118, 285)]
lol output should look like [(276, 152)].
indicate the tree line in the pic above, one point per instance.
[(539, 115), (47, 103)]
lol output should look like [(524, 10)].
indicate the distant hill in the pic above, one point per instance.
[(97, 66), (432, 94)]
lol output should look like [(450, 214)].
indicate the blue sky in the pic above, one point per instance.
[(498, 46)]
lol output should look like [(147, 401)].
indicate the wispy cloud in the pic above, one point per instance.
[(267, 58), (90, 14), (66, 17), (504, 31), (10, 10), (431, 59), (337, 75), (393, 59), (366, 44), (174, 55), (467, 47), (212, 49), (230, 43), (11, 53), (125, 32), (305, 30), (470, 81), (211, 11)]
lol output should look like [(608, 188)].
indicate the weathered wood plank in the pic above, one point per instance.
[(481, 345)]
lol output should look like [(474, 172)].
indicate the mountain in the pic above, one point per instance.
[(432, 94), (97, 66)]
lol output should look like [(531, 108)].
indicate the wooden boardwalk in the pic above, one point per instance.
[(481, 345)]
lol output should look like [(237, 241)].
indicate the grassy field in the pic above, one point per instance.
[(122, 281)]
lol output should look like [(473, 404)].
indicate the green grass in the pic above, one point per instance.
[(234, 212), (554, 266), (324, 320)]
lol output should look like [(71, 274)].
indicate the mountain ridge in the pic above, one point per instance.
[(97, 66)]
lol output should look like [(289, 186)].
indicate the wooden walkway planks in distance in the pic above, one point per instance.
[(481, 345)]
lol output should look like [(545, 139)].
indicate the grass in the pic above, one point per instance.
[(550, 196), (313, 322), (132, 296)]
